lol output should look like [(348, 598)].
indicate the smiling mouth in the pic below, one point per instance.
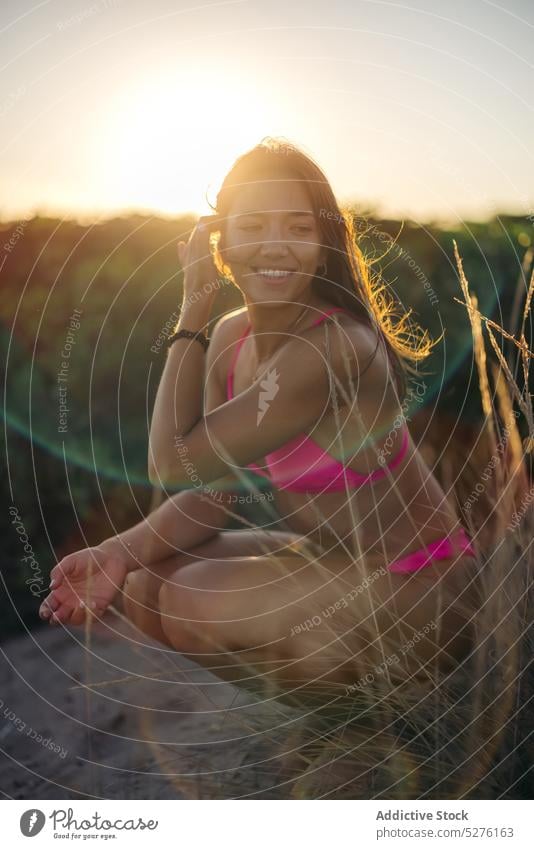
[(276, 274)]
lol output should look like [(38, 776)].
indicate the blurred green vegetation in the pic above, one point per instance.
[(122, 276)]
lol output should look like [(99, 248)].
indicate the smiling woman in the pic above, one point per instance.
[(367, 530)]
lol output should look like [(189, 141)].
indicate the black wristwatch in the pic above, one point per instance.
[(188, 334)]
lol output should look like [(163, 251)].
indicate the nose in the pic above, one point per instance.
[(274, 242)]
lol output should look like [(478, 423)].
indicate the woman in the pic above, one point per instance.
[(303, 386)]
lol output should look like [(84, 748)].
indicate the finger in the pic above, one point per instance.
[(48, 606), (208, 220), (79, 614), (62, 614), (58, 573), (206, 225), (56, 576), (64, 594), (84, 611), (69, 604)]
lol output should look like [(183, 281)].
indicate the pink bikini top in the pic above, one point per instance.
[(301, 465)]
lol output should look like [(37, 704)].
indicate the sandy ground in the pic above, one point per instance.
[(128, 719)]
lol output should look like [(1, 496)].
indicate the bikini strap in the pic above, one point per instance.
[(399, 457)]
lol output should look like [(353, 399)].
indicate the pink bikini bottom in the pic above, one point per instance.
[(451, 546)]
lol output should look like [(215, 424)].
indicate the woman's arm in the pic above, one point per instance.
[(289, 400), (91, 578), (179, 524), (178, 404), (192, 516)]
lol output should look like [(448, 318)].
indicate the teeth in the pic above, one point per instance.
[(271, 272)]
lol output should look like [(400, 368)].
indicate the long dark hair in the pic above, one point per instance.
[(348, 280)]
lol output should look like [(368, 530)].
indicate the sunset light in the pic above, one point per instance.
[(171, 137)]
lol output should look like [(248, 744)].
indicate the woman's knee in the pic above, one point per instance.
[(140, 595), (188, 611)]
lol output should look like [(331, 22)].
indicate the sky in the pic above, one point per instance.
[(421, 110)]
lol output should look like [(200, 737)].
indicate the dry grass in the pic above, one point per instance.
[(466, 734)]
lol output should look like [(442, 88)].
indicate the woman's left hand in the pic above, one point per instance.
[(200, 272)]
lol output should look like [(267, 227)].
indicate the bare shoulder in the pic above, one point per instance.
[(229, 326), (225, 332), (352, 346)]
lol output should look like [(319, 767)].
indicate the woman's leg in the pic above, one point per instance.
[(140, 593), (295, 623)]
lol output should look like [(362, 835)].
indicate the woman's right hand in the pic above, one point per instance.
[(85, 581), (200, 271)]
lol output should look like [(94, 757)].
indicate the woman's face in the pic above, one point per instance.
[(271, 227)]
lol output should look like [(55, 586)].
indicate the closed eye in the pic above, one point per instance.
[(300, 228)]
